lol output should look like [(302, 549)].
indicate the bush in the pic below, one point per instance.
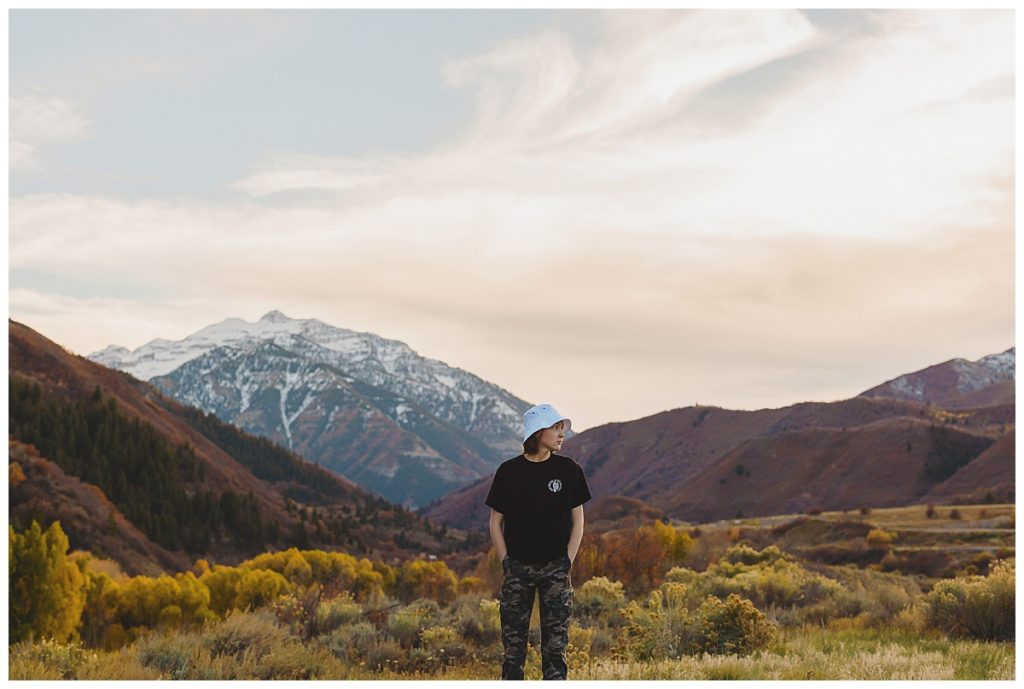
[(664, 628), (385, 655), (436, 638), (768, 578), (744, 554), (443, 646), (426, 608), (116, 666), (848, 603), (353, 643), (297, 661), (977, 607), (577, 652), (421, 579), (879, 604), (597, 596), (472, 585), (28, 668), (298, 609), (910, 619), (338, 611), (879, 537), (406, 625), (47, 659), (172, 655), (732, 626), (255, 633), (478, 620), (887, 600), (652, 631)]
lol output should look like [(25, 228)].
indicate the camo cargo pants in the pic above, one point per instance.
[(522, 582)]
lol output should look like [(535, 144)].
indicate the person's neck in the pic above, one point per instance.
[(538, 457)]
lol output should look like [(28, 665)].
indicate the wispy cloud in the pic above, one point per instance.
[(888, 133), (543, 90)]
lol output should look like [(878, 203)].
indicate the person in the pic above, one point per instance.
[(536, 524)]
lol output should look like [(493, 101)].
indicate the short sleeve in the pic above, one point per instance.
[(581, 492), (497, 497)]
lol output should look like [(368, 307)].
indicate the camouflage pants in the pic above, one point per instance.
[(521, 584)]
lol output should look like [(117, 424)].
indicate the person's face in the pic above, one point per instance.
[(551, 438)]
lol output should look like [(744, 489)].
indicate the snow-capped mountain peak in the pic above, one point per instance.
[(945, 383), (161, 356), (233, 367), (1003, 364)]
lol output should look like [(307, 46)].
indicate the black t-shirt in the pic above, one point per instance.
[(536, 499)]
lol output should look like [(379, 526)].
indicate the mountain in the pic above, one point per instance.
[(886, 463), (404, 426), (705, 463), (957, 383), (989, 477), (142, 479)]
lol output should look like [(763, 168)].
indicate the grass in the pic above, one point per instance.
[(802, 653), (983, 528), (811, 653), (914, 516)]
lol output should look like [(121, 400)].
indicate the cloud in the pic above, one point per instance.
[(542, 91), (38, 121), (717, 319), (602, 233), (884, 133)]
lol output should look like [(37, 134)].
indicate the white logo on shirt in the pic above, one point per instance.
[(554, 485)]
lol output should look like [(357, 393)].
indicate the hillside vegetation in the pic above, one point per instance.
[(706, 601)]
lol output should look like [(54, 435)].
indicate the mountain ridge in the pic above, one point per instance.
[(435, 427), (695, 463)]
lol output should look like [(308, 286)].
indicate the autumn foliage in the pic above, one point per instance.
[(60, 597), (637, 557), (46, 588)]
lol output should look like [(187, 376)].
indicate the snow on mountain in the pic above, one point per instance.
[(326, 392), (1002, 365), (956, 382), (159, 357), (374, 359)]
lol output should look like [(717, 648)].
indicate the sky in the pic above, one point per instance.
[(615, 212)]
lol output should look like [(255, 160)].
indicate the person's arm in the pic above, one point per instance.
[(576, 535), (497, 537)]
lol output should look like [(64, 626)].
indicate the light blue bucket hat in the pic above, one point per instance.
[(541, 416)]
